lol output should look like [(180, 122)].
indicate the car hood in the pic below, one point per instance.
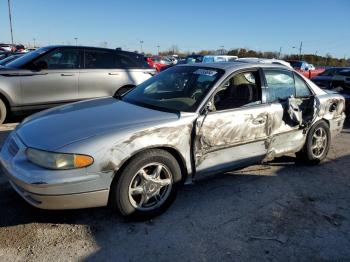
[(60, 126)]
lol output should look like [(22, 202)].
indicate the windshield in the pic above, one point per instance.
[(19, 62), (180, 88)]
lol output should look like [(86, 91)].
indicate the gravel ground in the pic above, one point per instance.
[(275, 212)]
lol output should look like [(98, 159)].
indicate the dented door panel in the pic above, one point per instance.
[(284, 135), (229, 138)]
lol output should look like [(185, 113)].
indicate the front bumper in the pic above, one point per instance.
[(51, 189)]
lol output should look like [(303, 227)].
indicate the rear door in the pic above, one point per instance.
[(57, 82), (135, 67), (291, 110), (100, 75)]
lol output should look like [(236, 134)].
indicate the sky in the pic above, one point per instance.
[(323, 26)]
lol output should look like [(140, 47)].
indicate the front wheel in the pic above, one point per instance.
[(147, 185), (316, 145)]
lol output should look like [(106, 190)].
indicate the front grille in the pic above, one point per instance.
[(12, 147)]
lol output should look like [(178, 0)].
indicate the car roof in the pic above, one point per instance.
[(233, 66), (90, 47)]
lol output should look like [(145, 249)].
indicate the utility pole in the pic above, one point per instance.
[(34, 42), (76, 41), (158, 46), (222, 49), (280, 52), (141, 42), (300, 48), (9, 5)]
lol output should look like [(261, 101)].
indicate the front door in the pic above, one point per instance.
[(234, 130), (56, 82)]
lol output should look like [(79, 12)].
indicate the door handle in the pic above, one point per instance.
[(259, 120), (113, 74), (67, 74)]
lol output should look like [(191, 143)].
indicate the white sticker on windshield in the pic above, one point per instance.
[(205, 72)]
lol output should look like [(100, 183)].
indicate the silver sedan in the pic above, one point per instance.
[(134, 151)]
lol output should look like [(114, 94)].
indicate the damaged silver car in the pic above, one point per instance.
[(134, 151)]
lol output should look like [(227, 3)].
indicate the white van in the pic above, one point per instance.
[(219, 58)]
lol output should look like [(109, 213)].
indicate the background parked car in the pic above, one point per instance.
[(336, 80), (10, 58), (54, 75), (191, 59), (333, 77), (264, 61), (157, 62), (304, 68), (5, 54), (219, 58)]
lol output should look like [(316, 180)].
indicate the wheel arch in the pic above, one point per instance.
[(127, 88), (6, 101), (173, 151)]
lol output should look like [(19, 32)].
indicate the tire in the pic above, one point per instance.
[(139, 193), (123, 90), (3, 112), (313, 155)]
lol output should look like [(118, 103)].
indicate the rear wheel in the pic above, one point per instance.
[(3, 111), (147, 185), (317, 144)]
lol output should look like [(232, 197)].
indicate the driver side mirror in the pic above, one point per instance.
[(209, 107)]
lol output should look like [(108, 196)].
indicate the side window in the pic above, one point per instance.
[(60, 59), (280, 85), (301, 89), (125, 62), (99, 59), (242, 89)]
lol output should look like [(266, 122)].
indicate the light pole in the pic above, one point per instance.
[(34, 42), (76, 40), (141, 42), (222, 49), (280, 52), (9, 6), (158, 46)]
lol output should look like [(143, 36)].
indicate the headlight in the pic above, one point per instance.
[(52, 160)]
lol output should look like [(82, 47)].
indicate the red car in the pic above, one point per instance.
[(304, 68), (156, 62)]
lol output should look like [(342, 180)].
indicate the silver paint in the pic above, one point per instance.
[(113, 131)]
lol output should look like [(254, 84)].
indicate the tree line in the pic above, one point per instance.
[(316, 60)]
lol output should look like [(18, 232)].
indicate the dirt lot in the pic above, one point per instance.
[(275, 212)]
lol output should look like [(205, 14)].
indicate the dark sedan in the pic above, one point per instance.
[(336, 80), (333, 78)]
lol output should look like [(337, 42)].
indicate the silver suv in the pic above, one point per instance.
[(54, 75)]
